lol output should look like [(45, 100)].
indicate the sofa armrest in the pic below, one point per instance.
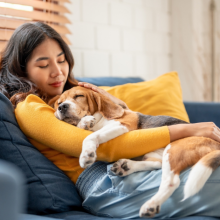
[(12, 191), (35, 217), (203, 112)]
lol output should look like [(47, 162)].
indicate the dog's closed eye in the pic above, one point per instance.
[(77, 96)]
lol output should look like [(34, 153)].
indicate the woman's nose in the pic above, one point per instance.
[(56, 70)]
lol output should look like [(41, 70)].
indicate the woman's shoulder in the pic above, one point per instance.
[(32, 105), (32, 100)]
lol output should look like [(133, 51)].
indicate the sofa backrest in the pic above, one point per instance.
[(49, 189), (109, 81)]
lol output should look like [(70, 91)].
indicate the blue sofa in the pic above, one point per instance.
[(31, 184)]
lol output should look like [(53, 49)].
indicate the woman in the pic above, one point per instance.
[(36, 66)]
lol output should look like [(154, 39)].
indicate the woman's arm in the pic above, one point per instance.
[(203, 129), (36, 119)]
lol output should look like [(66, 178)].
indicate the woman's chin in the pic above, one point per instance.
[(54, 92)]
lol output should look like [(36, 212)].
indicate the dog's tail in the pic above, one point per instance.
[(200, 173)]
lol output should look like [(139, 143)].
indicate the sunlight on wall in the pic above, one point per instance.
[(16, 6)]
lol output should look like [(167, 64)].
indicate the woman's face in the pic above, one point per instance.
[(48, 68)]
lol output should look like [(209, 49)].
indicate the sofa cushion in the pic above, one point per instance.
[(86, 216), (161, 96), (109, 81), (49, 189), (203, 112)]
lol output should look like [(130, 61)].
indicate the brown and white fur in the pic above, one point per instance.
[(92, 111)]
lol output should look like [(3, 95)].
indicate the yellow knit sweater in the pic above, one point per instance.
[(62, 143)]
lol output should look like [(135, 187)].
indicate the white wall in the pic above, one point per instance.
[(147, 38), (191, 48), (217, 52), (120, 37), (195, 55)]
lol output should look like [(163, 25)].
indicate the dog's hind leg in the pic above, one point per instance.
[(200, 173), (169, 183), (157, 154)]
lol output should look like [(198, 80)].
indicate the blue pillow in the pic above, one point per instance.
[(109, 81), (49, 189)]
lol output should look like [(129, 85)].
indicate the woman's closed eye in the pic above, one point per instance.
[(62, 61), (45, 66)]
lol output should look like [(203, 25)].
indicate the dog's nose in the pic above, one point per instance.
[(63, 108)]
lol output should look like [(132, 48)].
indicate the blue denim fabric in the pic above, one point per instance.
[(121, 197)]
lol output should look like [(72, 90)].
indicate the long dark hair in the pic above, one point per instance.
[(14, 82)]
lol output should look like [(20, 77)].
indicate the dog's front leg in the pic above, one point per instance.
[(91, 142), (87, 122)]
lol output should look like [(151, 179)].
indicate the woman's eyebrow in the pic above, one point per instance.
[(46, 58)]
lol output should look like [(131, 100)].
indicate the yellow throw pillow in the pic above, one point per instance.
[(161, 96)]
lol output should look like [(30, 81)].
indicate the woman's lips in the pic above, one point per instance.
[(56, 84)]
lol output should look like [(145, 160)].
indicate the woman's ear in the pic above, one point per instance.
[(108, 109), (53, 100)]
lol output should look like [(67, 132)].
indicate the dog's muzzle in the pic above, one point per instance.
[(63, 108)]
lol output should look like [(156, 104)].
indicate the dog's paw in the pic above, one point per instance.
[(87, 122), (149, 209), (121, 167), (87, 158)]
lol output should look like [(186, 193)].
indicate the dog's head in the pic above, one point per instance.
[(78, 102)]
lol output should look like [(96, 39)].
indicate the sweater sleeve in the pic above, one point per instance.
[(38, 122)]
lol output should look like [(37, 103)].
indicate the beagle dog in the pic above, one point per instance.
[(92, 111)]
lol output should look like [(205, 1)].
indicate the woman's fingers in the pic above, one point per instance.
[(204, 129), (218, 129), (216, 137), (92, 87), (216, 133), (87, 85)]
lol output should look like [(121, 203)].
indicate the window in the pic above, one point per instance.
[(13, 13)]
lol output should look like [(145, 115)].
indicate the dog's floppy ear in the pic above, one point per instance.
[(108, 109), (53, 100), (93, 107)]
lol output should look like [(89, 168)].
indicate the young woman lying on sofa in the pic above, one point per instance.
[(37, 65)]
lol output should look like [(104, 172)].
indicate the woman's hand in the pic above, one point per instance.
[(103, 92), (203, 129)]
